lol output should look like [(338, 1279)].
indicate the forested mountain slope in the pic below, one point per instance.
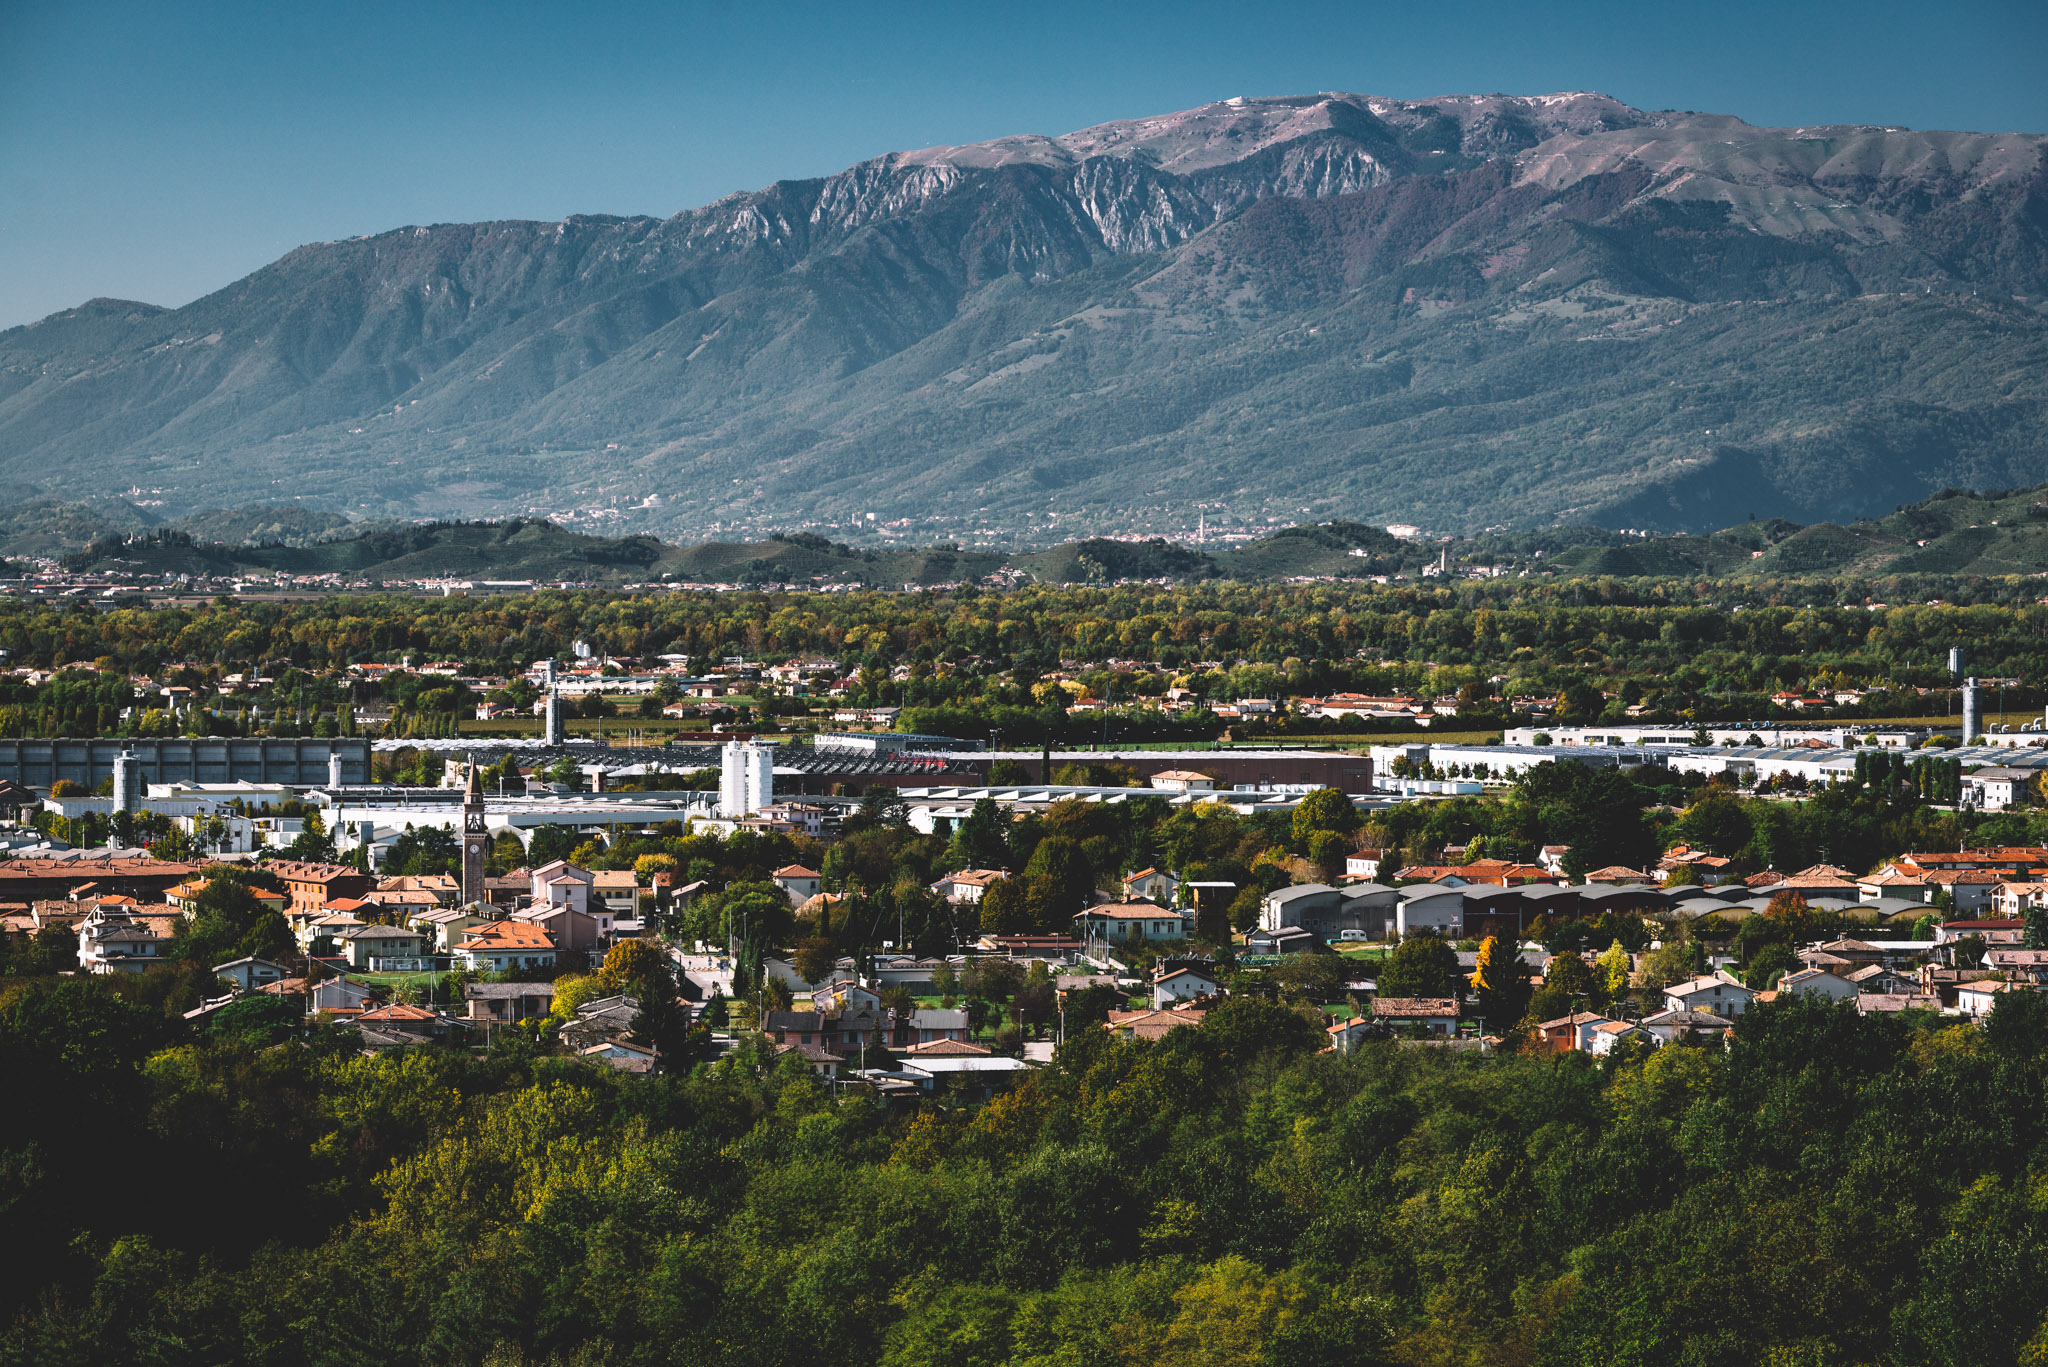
[(1465, 312)]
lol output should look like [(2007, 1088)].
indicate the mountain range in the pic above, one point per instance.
[(1465, 312)]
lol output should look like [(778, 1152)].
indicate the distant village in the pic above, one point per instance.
[(405, 958)]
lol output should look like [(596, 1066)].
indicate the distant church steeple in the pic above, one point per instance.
[(474, 838)]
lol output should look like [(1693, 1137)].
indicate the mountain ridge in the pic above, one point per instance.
[(1345, 303)]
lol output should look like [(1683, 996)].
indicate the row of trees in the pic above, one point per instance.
[(1677, 640)]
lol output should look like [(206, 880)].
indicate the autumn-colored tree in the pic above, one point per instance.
[(571, 991), (1789, 910), (647, 865), (631, 961)]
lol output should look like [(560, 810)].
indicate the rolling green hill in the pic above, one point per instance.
[(1953, 533)]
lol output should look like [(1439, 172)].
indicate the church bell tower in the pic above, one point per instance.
[(474, 838)]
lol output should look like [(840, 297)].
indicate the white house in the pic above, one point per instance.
[(1436, 1015), (1364, 864), (365, 947), (1130, 921), (1815, 982), (1601, 1038), (1995, 787), (116, 944), (1154, 885), (1183, 781), (2018, 898), (250, 973), (967, 886), (798, 883), (499, 946), (443, 926), (1347, 1035), (563, 884), (1180, 985), (1719, 992), (842, 995), (1978, 999), (329, 994), (1667, 1026)]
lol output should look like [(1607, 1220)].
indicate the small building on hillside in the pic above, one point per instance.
[(798, 883), (1118, 922), (1181, 985), (1436, 1015)]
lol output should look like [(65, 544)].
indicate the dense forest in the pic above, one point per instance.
[(1833, 1189)]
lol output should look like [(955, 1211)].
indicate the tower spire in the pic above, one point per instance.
[(474, 838)]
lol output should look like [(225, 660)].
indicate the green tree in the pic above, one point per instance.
[(1325, 809), (1500, 982), (1769, 964), (982, 840), (228, 922), (314, 842), (258, 1020), (1064, 870), (1577, 980), (1421, 965), (814, 958)]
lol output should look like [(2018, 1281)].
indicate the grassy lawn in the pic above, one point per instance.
[(418, 983)]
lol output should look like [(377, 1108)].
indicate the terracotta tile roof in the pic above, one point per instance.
[(302, 871), (1617, 873), (1129, 911), (1575, 1018), (945, 1048), (1892, 875), (505, 935), (1414, 1007), (399, 1011), (1152, 1024)]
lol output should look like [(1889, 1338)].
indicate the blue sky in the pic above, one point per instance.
[(158, 151)]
